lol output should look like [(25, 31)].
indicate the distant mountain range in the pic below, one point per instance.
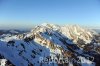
[(97, 30)]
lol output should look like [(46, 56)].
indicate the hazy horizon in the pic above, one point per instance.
[(28, 27)]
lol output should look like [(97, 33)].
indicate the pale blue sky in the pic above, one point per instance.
[(26, 13)]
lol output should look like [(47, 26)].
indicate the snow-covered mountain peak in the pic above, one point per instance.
[(50, 26), (76, 32), (47, 24), (73, 32), (47, 41)]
